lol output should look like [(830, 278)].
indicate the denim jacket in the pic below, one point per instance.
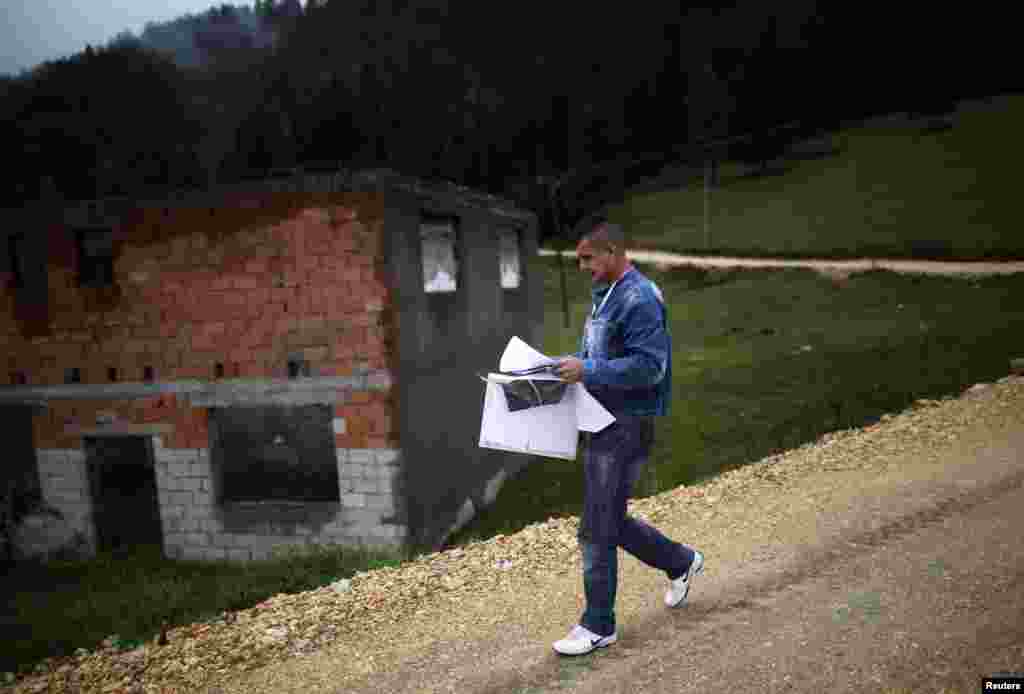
[(626, 348)]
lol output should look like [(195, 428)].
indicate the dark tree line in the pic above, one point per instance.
[(484, 94)]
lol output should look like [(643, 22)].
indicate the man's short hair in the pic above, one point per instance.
[(607, 235)]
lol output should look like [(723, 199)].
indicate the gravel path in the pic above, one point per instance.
[(928, 267), (796, 543)]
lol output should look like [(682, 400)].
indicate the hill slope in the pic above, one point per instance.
[(892, 187)]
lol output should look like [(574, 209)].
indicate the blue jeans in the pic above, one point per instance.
[(612, 462)]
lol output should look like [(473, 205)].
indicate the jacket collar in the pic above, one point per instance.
[(601, 290)]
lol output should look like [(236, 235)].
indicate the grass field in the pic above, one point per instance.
[(892, 189)]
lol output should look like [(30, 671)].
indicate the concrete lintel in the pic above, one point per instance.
[(221, 393), (305, 391), (121, 429)]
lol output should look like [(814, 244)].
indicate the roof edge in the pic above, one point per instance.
[(447, 193)]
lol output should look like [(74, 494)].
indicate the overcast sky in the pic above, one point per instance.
[(32, 31)]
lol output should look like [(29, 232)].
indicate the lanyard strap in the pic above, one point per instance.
[(597, 310)]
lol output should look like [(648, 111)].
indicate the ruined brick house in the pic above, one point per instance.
[(275, 363)]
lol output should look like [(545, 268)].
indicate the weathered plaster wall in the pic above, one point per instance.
[(445, 339)]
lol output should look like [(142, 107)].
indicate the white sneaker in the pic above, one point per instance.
[(582, 640), (678, 590)]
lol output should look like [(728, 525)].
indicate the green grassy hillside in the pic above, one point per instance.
[(892, 188)]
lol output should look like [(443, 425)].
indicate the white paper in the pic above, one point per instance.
[(518, 356), (548, 430), (590, 414)]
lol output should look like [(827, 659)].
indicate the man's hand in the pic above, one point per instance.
[(570, 369)]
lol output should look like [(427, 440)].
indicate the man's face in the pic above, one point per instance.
[(598, 260)]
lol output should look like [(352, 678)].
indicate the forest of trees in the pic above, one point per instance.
[(484, 94)]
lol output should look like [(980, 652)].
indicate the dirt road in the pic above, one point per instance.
[(884, 559), (920, 587), (928, 267)]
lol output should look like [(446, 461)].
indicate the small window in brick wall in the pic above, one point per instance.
[(95, 258), (508, 244), (298, 367), (16, 253), (284, 453), (28, 266), (440, 261)]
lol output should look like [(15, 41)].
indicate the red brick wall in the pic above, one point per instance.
[(246, 285)]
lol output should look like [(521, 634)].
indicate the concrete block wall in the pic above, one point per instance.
[(369, 495), (195, 526), (64, 482)]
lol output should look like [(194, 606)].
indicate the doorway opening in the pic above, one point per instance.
[(126, 508)]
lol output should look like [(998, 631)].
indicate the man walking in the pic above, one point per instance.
[(626, 364)]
